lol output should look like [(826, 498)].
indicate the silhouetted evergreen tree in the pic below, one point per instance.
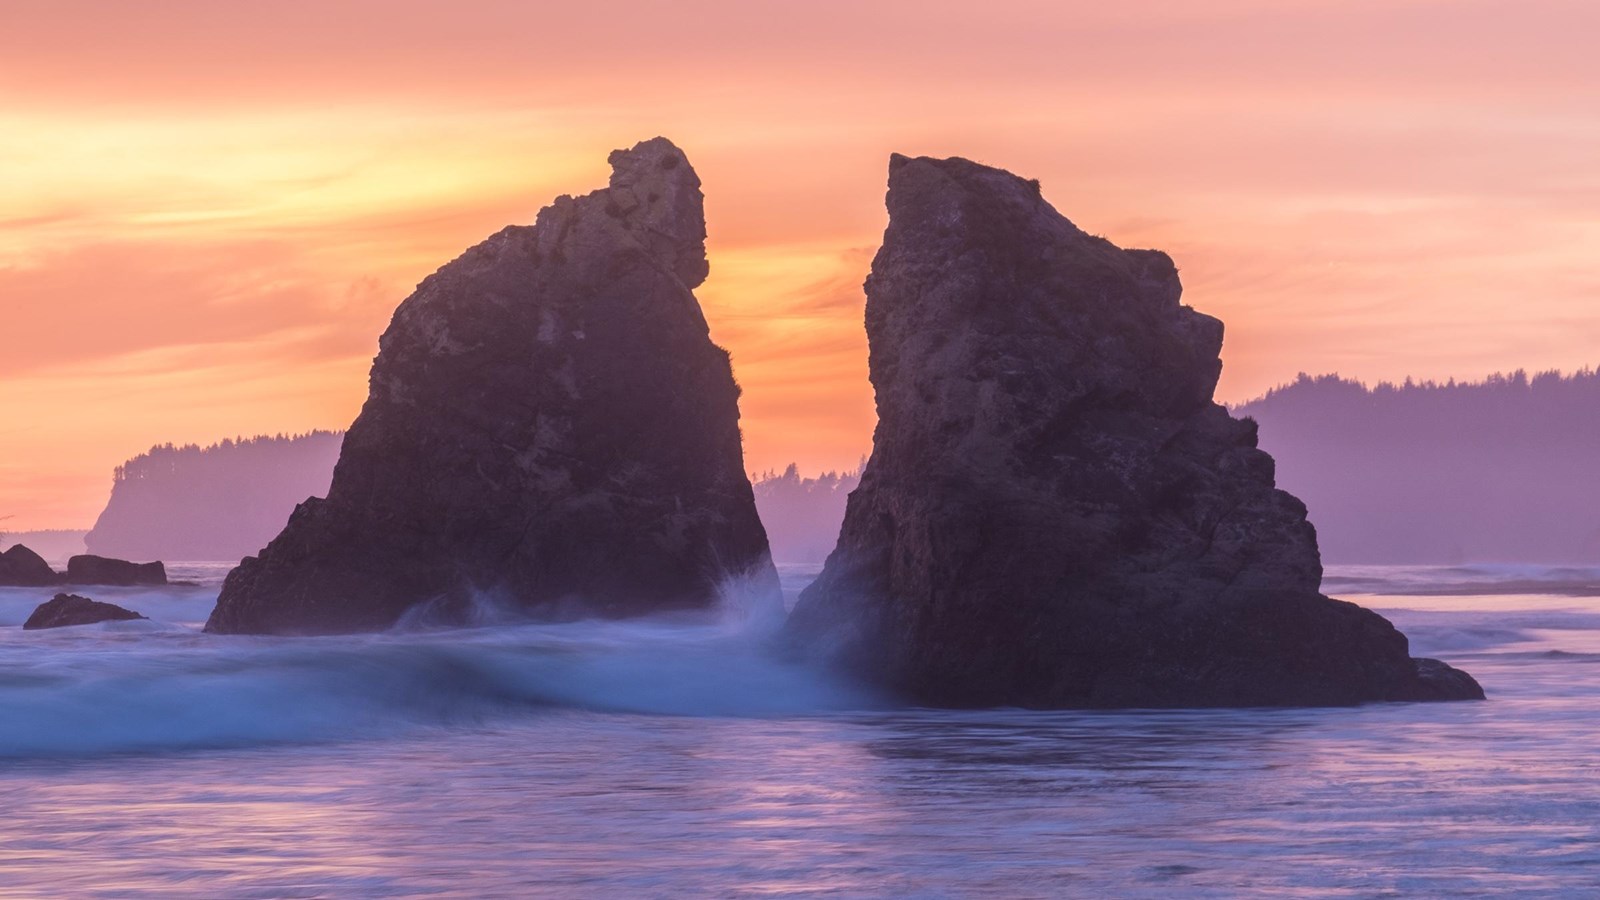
[(802, 515)]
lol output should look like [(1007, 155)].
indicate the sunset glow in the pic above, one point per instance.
[(211, 210)]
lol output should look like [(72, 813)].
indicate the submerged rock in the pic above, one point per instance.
[(1055, 512), (64, 610), (21, 567), (549, 427), (90, 569)]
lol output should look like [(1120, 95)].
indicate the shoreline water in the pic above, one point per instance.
[(672, 758)]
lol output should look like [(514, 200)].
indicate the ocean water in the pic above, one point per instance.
[(675, 758)]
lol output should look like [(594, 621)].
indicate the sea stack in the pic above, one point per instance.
[(549, 428), (1056, 513)]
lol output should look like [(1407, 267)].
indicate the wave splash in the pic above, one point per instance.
[(157, 686)]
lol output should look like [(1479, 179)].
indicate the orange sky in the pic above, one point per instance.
[(209, 210)]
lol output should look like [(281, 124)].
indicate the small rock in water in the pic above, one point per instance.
[(65, 610), (90, 569), (21, 567)]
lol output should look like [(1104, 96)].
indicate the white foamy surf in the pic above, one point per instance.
[(163, 685)]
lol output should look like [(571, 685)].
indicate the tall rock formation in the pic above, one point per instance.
[(1055, 512), (549, 427)]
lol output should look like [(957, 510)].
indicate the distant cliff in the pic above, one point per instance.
[(221, 502), (802, 515), (1501, 470)]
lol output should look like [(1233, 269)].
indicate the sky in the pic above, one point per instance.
[(208, 211)]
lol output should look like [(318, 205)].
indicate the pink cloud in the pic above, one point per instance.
[(215, 206)]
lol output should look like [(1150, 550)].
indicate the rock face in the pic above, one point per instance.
[(1055, 512), (89, 569), (65, 610), (549, 426), (21, 567)]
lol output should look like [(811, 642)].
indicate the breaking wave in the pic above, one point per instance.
[(162, 685)]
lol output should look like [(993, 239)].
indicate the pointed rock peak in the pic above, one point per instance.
[(656, 194), (967, 219), (643, 160), (950, 206), (910, 174)]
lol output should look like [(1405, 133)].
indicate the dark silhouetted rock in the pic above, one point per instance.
[(21, 567), (64, 610), (1055, 512), (89, 569), (549, 427)]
